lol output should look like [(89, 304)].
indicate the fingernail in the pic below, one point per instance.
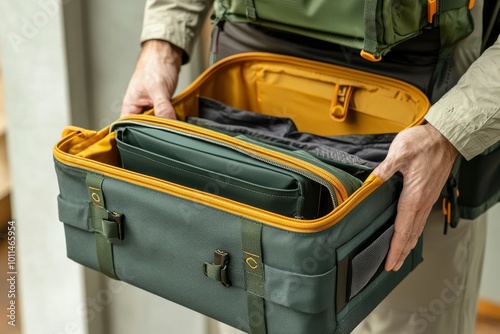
[(388, 267), (398, 266)]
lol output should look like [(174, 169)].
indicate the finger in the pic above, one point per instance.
[(386, 168), (164, 108), (413, 210), (403, 226), (161, 101), (398, 243), (130, 108), (418, 226)]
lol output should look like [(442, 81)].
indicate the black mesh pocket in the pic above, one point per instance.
[(363, 263), (369, 261)]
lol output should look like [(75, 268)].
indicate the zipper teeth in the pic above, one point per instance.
[(267, 217), (306, 174)]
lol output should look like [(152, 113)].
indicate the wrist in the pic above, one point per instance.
[(168, 51), (450, 150)]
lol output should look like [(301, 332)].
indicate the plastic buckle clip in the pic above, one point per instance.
[(450, 205), (117, 218), (219, 270)]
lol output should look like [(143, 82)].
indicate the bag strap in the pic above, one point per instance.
[(250, 10), (107, 225), (491, 24), (251, 240), (369, 51)]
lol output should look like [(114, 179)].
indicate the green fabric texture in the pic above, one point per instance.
[(372, 25), (228, 172), (478, 183), (169, 238), (251, 241), (98, 222)]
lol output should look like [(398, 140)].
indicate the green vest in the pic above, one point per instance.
[(371, 26)]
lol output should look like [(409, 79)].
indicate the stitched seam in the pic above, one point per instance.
[(207, 177)]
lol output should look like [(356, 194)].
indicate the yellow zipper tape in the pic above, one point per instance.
[(266, 217), (340, 190)]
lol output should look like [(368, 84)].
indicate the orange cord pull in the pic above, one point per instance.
[(370, 56), (431, 10)]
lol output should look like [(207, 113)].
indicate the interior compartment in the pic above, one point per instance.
[(312, 94), (356, 154), (220, 170)]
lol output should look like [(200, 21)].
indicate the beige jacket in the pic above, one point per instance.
[(468, 115)]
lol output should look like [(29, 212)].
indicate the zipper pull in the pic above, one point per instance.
[(218, 23), (450, 204)]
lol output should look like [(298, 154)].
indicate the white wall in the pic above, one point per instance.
[(37, 105)]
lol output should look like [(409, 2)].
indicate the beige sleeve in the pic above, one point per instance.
[(176, 21), (469, 114)]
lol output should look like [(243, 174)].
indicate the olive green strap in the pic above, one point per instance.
[(446, 5), (251, 234), (250, 9), (105, 224), (370, 43)]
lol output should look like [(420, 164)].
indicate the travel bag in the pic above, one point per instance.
[(257, 234)]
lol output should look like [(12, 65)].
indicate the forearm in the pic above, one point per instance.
[(175, 21), (469, 114)]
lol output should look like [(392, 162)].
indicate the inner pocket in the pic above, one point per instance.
[(222, 171)]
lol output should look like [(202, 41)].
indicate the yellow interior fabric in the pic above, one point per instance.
[(303, 90), (98, 146)]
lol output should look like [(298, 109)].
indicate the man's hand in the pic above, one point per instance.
[(425, 158), (154, 79)]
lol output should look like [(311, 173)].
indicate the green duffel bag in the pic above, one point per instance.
[(310, 261)]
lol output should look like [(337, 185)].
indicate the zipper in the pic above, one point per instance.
[(259, 215), (326, 179), (304, 173), (218, 23), (438, 11)]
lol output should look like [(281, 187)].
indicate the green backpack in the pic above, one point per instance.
[(372, 26)]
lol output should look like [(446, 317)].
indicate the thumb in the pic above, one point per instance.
[(386, 169)]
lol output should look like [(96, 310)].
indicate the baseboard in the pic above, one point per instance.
[(488, 309)]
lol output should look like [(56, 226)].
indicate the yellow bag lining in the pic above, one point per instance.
[(303, 91)]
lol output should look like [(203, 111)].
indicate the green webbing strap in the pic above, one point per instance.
[(105, 229), (446, 5), (213, 271), (251, 235), (251, 11), (370, 44)]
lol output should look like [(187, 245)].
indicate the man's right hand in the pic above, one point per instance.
[(154, 80)]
